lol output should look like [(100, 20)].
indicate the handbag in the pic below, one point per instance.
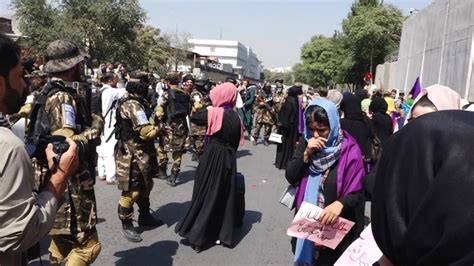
[(277, 138), (288, 197)]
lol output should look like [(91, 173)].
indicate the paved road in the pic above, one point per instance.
[(261, 241)]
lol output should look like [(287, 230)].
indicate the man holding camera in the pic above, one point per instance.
[(136, 160), (25, 217), (63, 108)]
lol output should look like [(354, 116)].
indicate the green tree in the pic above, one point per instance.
[(322, 61), (109, 30), (371, 31)]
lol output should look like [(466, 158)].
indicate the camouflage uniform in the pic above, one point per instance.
[(135, 157), (175, 129), (199, 101), (77, 215), (265, 115)]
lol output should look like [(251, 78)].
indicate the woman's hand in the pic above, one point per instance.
[(314, 144), (331, 213)]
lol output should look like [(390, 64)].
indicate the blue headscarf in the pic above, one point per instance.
[(319, 162)]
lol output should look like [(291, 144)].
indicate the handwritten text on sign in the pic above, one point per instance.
[(307, 226), (363, 251)]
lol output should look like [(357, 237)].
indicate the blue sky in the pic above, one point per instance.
[(275, 29)]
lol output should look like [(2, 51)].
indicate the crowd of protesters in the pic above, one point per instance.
[(409, 156)]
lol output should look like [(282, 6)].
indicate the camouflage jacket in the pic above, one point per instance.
[(77, 213), (278, 100), (265, 108), (175, 130), (135, 152), (199, 102)]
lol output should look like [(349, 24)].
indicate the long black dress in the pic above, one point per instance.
[(288, 127), (212, 213)]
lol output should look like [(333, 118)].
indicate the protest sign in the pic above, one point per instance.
[(363, 251), (307, 226)]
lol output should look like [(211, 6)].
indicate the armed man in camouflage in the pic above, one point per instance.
[(74, 236), (199, 101), (173, 109), (265, 114), (136, 129), (278, 95)]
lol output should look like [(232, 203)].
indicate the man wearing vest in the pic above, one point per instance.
[(175, 106), (265, 114), (74, 236), (199, 101), (135, 157)]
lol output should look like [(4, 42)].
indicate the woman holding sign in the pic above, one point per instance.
[(327, 168)]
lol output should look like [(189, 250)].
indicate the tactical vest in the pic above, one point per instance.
[(178, 106), (124, 127), (39, 126)]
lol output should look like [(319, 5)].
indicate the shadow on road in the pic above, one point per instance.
[(160, 253), (185, 177), (250, 218), (243, 153), (172, 212)]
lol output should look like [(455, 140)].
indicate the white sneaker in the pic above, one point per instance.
[(218, 242), (252, 138)]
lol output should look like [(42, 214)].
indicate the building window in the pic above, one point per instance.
[(213, 49)]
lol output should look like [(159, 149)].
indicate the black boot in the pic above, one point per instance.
[(162, 172), (172, 178), (145, 218), (128, 231)]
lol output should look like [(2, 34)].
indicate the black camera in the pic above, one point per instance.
[(38, 150)]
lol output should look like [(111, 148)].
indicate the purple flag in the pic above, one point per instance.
[(416, 89)]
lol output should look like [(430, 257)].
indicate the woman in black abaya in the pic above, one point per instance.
[(423, 197), (212, 214), (288, 125)]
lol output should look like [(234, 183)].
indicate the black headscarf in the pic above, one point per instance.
[(378, 105), (361, 94), (295, 91), (422, 212), (351, 107)]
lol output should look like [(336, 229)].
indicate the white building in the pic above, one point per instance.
[(243, 60)]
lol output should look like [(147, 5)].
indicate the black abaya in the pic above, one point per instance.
[(423, 197), (288, 127), (212, 213)]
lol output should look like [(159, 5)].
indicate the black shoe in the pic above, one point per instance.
[(254, 142), (198, 249), (195, 158), (172, 179), (266, 143), (129, 232)]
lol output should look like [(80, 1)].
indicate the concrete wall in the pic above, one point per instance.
[(437, 45)]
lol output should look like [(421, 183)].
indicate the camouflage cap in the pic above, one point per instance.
[(62, 55)]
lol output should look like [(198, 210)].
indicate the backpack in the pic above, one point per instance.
[(39, 127)]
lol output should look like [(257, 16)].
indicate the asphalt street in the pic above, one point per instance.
[(261, 241)]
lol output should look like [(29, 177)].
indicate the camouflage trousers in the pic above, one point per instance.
[(266, 133), (163, 158), (62, 249), (198, 143)]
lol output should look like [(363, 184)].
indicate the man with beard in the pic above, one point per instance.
[(265, 114), (199, 101), (173, 109), (25, 217), (74, 236)]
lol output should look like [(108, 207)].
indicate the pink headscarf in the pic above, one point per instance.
[(222, 95), (442, 97)]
